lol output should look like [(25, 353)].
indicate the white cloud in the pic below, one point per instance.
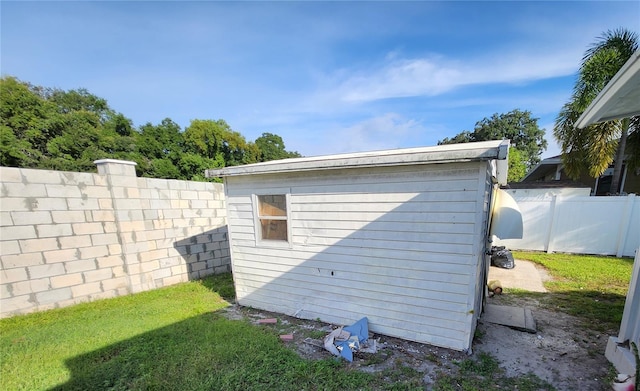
[(386, 131), (436, 75)]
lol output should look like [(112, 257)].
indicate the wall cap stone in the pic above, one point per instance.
[(116, 161)]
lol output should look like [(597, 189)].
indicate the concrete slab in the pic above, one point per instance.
[(515, 317), (524, 275)]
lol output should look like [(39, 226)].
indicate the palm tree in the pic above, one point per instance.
[(593, 148)]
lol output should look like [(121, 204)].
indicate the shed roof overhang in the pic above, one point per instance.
[(486, 150), (620, 98)]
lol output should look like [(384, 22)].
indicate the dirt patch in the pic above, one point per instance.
[(562, 352)]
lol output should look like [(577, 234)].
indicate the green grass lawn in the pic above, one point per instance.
[(167, 339), (591, 287), (175, 338)]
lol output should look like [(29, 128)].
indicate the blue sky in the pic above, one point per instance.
[(329, 77)]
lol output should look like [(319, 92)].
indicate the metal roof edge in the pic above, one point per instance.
[(486, 150)]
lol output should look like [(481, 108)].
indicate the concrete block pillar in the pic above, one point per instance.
[(116, 167)]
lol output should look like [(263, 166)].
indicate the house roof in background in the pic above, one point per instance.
[(486, 150), (543, 168), (620, 98)]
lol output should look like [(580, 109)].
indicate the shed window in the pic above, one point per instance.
[(272, 215)]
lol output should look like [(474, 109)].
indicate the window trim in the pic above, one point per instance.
[(257, 223)]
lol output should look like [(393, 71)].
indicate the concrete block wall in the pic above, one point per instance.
[(68, 237)]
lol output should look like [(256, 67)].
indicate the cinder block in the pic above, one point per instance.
[(169, 262), (80, 265), (132, 226), (39, 285), (162, 224), (118, 271), (176, 203), (85, 289), (153, 255), (129, 215), (82, 204), (133, 192), (103, 295), (41, 176), (177, 279), (180, 269), (177, 185), (94, 252), (10, 174), (199, 186), (115, 284), (66, 280), (87, 228), (24, 190), (215, 204), (18, 232), (4, 291), (150, 214), (9, 247), (205, 195), (16, 304), (80, 179), (60, 217), (136, 248), (97, 275), (31, 218), (96, 192), (199, 204), (63, 191), (112, 260), (8, 276), (201, 222), (196, 266), (154, 234), (159, 204), (5, 219), (48, 270), (105, 203), (52, 204), (124, 181), (212, 246), (104, 239), (109, 227), (103, 215), (146, 267), (53, 296), (161, 273), (21, 260), (36, 245), (22, 204), (115, 249), (76, 241), (127, 203), (54, 230)]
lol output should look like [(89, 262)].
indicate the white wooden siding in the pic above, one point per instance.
[(399, 245)]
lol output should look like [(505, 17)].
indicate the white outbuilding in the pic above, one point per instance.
[(398, 236)]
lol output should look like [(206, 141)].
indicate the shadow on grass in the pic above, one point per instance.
[(222, 284), (206, 352)]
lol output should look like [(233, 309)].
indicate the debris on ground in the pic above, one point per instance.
[(344, 341)]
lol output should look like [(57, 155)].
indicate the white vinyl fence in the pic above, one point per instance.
[(583, 225)]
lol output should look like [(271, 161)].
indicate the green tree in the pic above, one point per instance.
[(272, 147), (216, 140), (517, 166), (517, 126), (595, 147)]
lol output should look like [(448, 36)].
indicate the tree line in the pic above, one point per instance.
[(49, 128)]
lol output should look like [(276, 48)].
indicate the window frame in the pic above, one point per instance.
[(257, 218)]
